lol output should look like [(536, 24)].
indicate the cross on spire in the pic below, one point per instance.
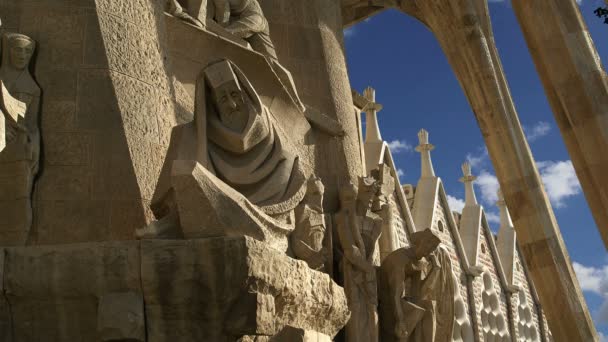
[(425, 149)]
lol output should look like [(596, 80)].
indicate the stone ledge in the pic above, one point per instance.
[(193, 290)]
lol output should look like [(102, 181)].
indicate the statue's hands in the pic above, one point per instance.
[(401, 330)]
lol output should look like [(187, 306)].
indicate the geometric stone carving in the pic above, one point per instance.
[(526, 329), (463, 331), (120, 317), (493, 322)]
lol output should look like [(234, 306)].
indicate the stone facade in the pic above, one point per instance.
[(196, 170)]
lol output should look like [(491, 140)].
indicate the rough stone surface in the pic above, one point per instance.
[(120, 317), (185, 291), (183, 286)]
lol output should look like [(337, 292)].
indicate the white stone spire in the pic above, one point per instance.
[(372, 130), (505, 217), (425, 154), (468, 179), (506, 243)]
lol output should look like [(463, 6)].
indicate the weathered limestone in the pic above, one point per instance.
[(179, 285), (575, 83), (193, 303)]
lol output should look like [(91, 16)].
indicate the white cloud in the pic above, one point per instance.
[(592, 279), (558, 177), (478, 159), (560, 181), (455, 204), (492, 217), (400, 173), (488, 185), (539, 130), (603, 337), (595, 280), (398, 146), (349, 32)]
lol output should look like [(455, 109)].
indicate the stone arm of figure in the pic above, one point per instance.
[(247, 23)]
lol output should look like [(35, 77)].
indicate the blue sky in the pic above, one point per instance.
[(401, 59)]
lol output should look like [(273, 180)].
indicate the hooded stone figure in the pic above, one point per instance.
[(233, 136), (417, 292), (20, 101)]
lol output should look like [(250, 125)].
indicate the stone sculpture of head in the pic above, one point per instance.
[(232, 95), (20, 49), (425, 242)]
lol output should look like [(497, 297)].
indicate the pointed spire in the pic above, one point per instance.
[(425, 154), (468, 179), (506, 241), (372, 130), (505, 217)]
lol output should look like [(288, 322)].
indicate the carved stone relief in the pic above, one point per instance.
[(20, 157), (463, 330), (309, 234), (245, 174), (358, 231), (493, 322), (526, 328)]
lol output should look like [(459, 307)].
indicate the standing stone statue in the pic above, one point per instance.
[(307, 238), (358, 232), (417, 288), (19, 160), (389, 241)]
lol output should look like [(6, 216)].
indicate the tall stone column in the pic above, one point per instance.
[(309, 42), (464, 32), (106, 114), (576, 86)]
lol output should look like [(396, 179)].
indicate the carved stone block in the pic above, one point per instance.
[(220, 288), (120, 317)]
